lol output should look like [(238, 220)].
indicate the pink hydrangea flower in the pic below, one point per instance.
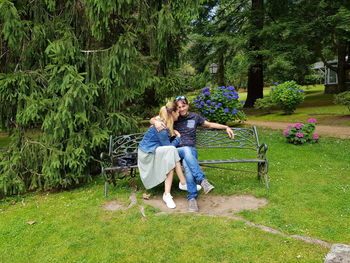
[(300, 135), (285, 132), (315, 136), (312, 120), (298, 125)]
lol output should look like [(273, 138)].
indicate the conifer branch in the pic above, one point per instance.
[(33, 172), (3, 54), (96, 50), (35, 73), (43, 146)]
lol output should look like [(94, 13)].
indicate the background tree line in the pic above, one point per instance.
[(76, 71), (257, 42)]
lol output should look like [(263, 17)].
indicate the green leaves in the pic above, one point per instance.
[(82, 74), (64, 50), (301, 133), (287, 95), (12, 27), (343, 99)]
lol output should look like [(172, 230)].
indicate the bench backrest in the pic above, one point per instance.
[(245, 138)]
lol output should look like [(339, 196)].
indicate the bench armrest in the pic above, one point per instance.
[(262, 151)]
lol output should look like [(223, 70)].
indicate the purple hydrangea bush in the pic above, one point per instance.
[(220, 104), (300, 133)]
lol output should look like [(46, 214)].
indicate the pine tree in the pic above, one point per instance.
[(73, 71), (256, 66)]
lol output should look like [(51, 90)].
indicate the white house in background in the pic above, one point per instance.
[(330, 76)]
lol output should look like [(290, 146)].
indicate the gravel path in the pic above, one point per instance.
[(324, 130)]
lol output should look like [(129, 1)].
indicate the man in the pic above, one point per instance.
[(186, 125)]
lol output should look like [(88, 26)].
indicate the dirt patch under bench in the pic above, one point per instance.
[(212, 204)]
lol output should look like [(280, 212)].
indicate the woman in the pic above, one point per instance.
[(157, 155)]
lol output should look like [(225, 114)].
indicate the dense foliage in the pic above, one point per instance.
[(78, 71), (343, 99), (264, 104), (284, 38), (287, 95), (220, 104), (73, 72)]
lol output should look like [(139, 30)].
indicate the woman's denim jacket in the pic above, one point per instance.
[(154, 139)]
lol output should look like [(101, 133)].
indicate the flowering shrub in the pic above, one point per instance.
[(287, 95), (301, 133), (220, 104), (343, 99)]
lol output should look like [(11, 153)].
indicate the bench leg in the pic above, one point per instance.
[(104, 175), (106, 188), (262, 171)]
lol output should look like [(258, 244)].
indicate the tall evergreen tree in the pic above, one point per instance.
[(216, 36), (256, 67), (74, 71)]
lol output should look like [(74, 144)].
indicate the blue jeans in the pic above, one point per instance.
[(192, 169)]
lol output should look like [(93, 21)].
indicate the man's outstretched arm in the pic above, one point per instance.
[(220, 127)]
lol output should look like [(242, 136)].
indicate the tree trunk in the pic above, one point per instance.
[(255, 72), (221, 71), (341, 67)]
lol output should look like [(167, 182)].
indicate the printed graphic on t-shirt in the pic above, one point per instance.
[(190, 124)]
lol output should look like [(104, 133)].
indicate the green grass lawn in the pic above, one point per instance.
[(316, 105), (308, 195)]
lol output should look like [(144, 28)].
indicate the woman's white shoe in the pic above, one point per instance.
[(168, 199)]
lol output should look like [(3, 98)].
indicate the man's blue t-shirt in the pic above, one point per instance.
[(186, 126)]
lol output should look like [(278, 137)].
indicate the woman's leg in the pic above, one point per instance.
[(180, 173), (168, 181), (168, 199)]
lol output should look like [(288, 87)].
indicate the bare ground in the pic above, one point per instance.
[(225, 206), (213, 205), (209, 204)]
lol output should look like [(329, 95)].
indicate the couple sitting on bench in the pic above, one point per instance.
[(158, 156)]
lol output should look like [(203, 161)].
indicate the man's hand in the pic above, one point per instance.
[(157, 123), (221, 127), (230, 133)]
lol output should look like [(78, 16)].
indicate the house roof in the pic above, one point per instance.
[(320, 64)]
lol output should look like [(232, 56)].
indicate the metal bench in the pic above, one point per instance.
[(121, 159)]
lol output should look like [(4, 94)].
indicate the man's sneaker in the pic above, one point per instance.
[(168, 199), (207, 187), (192, 205), (184, 187)]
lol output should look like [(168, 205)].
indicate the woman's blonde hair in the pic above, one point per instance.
[(166, 116)]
